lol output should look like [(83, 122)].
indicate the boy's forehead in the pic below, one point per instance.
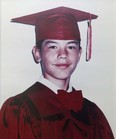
[(48, 41)]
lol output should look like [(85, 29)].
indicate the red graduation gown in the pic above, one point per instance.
[(37, 113)]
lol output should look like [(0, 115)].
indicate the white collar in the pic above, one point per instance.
[(52, 86)]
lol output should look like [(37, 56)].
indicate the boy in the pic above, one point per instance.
[(46, 110)]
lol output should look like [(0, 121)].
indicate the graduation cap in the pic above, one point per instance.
[(59, 23)]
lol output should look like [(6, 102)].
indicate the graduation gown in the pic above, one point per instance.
[(38, 113)]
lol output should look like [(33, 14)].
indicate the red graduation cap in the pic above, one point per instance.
[(59, 23)]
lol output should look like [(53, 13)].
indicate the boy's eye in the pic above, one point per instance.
[(52, 47), (72, 47)]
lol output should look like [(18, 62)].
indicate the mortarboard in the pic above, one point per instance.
[(59, 23)]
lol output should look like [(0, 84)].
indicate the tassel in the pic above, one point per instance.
[(89, 41)]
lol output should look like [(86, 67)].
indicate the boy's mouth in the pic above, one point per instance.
[(62, 65)]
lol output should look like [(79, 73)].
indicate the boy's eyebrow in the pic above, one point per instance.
[(75, 41)]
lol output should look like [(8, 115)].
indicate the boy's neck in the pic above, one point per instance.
[(61, 83)]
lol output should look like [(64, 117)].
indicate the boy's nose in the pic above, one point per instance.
[(63, 54)]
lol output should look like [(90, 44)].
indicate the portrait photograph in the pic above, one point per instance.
[(51, 49)]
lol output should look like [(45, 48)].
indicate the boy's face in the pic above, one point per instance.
[(59, 58)]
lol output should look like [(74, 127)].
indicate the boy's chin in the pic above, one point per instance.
[(62, 77)]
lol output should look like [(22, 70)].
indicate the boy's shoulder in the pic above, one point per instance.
[(19, 99)]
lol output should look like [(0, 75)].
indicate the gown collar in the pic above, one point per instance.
[(51, 85), (46, 101)]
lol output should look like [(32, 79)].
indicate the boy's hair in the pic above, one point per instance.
[(39, 44)]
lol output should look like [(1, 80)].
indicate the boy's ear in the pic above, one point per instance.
[(36, 54), (80, 52)]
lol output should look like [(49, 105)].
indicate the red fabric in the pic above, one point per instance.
[(72, 100), (38, 114), (57, 23), (58, 26), (32, 18)]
